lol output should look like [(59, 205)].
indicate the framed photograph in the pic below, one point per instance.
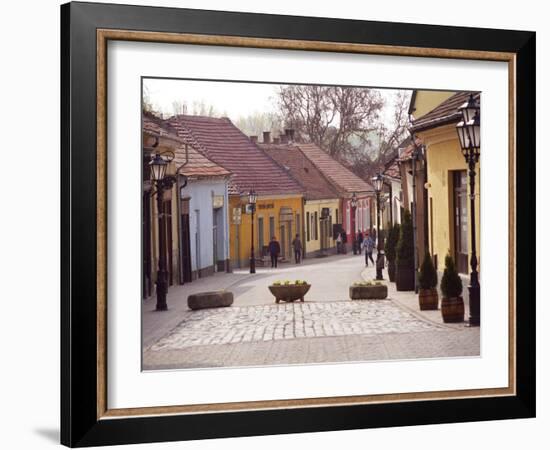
[(279, 224)]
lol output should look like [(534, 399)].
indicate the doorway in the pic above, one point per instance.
[(460, 221)]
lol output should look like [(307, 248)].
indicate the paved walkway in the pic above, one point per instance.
[(256, 331), (290, 321)]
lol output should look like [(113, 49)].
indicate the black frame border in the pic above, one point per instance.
[(79, 423)]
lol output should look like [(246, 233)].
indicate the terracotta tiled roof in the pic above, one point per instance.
[(406, 153), (225, 144), (290, 157), (342, 179), (444, 113), (198, 165)]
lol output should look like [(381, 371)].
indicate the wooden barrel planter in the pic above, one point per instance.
[(376, 292), (289, 292), (452, 309), (428, 299)]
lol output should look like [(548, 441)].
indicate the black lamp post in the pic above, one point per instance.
[(252, 197), (158, 167), (353, 204), (377, 182), (469, 136)]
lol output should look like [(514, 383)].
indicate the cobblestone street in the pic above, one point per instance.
[(326, 328), (290, 321)]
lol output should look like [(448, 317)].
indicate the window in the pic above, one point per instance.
[(316, 225), (261, 240), (336, 217), (271, 227), (308, 227)]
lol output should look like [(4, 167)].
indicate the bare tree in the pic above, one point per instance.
[(179, 107), (346, 122), (331, 116), (254, 124), (203, 109)]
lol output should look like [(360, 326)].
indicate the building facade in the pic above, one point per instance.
[(194, 210), (447, 184), (279, 203), (321, 202), (394, 191), (351, 220)]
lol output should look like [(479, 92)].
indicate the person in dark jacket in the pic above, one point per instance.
[(274, 250), (360, 242), (297, 245)]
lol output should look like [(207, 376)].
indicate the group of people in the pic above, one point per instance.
[(364, 242), (274, 249)]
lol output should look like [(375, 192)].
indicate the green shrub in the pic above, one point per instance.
[(391, 242), (427, 278), (451, 284), (405, 244)]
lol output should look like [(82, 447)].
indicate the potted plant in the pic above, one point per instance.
[(368, 290), (289, 291), (452, 304), (391, 244), (404, 261), (427, 280)]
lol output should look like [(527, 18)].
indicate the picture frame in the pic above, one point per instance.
[(86, 419)]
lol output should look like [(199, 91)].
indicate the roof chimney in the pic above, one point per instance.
[(284, 139), (254, 139), (267, 137)]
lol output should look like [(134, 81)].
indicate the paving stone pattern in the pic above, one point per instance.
[(290, 321)]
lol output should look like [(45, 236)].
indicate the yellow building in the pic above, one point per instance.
[(279, 205), (422, 102), (448, 194), (275, 216)]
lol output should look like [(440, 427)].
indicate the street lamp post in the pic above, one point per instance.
[(469, 136), (353, 204), (378, 181), (252, 197), (158, 167)]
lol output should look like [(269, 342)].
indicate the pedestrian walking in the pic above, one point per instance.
[(274, 250), (368, 244), (297, 246), (360, 239)]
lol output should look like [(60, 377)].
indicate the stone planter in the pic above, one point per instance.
[(368, 292), (428, 299), (404, 277), (289, 292), (391, 271), (452, 309), (215, 299)]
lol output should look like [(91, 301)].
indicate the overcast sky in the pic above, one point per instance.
[(231, 99)]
